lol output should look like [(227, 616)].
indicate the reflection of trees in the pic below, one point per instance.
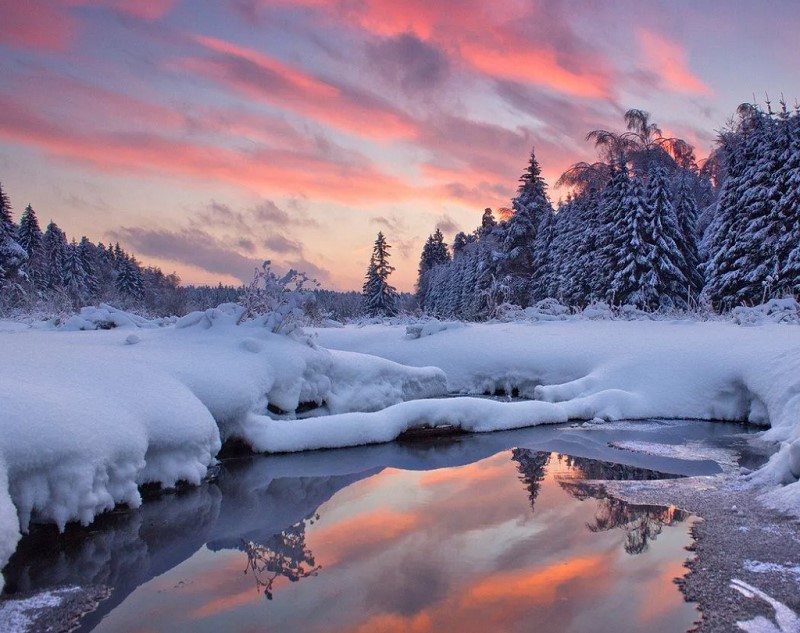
[(531, 467), (282, 555), (642, 523)]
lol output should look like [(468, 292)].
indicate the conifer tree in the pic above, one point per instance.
[(29, 236), (530, 206), (54, 247), (434, 253), (686, 210), (74, 276), (630, 255), (667, 242), (87, 255), (380, 298), (12, 255)]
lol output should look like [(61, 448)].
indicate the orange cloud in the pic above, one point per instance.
[(670, 61), (538, 66), (361, 533), (260, 171), (271, 81)]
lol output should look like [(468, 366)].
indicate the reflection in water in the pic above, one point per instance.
[(449, 542), (282, 555), (641, 523)]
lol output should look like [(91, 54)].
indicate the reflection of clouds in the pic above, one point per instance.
[(466, 551)]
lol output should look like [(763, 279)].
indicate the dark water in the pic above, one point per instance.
[(476, 533)]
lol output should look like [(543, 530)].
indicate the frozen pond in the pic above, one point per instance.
[(472, 533)]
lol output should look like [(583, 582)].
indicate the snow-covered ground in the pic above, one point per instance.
[(87, 416)]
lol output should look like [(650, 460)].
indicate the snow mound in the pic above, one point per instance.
[(86, 417), (785, 310), (418, 330), (625, 369)]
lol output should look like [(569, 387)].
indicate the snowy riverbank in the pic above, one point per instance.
[(88, 416)]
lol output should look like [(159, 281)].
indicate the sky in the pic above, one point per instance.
[(207, 136)]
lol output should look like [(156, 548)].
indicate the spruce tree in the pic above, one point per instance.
[(29, 236), (434, 253), (630, 254), (380, 298), (12, 255), (530, 207), (667, 242), (686, 210), (54, 247), (88, 256), (74, 276)]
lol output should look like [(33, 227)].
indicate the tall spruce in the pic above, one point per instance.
[(630, 254), (668, 244), (380, 298), (530, 207), (12, 255), (434, 253)]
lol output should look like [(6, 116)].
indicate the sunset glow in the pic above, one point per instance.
[(138, 120)]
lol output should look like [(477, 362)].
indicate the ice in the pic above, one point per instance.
[(16, 615)]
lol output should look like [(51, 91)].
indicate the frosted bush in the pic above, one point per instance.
[(281, 303)]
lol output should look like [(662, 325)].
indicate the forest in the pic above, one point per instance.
[(646, 225)]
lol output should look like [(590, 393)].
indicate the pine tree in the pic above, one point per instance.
[(29, 236), (12, 255), (88, 256), (488, 223), (667, 243), (434, 253), (128, 282), (54, 247), (630, 257), (686, 210), (380, 298), (530, 207), (74, 276)]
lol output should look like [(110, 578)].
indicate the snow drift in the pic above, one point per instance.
[(88, 416)]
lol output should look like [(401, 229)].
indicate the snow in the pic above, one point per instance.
[(89, 415), (17, 616), (623, 370)]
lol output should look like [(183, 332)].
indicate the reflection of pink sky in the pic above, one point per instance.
[(495, 565), (358, 114)]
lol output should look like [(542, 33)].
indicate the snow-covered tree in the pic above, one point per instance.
[(74, 275), (530, 207), (630, 252), (12, 255), (380, 297), (54, 248), (434, 253), (668, 244)]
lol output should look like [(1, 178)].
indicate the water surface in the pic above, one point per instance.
[(476, 533)]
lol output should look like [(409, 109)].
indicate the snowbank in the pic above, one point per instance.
[(620, 370), (88, 416)]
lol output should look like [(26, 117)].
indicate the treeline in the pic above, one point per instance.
[(45, 272), (645, 225)]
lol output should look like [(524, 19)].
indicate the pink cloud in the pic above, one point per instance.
[(38, 25), (669, 60), (266, 79)]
